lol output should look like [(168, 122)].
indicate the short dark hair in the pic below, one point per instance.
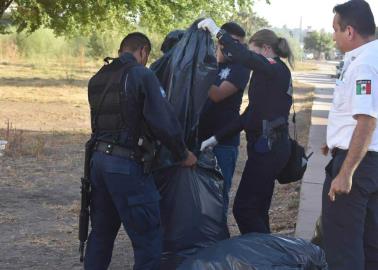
[(233, 29), (135, 41), (356, 13)]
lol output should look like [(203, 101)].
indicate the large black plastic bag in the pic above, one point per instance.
[(160, 66), (192, 202), (191, 209), (256, 251), (189, 72)]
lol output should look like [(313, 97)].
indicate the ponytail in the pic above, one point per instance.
[(279, 45), (284, 50)]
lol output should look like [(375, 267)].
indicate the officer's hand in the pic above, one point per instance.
[(209, 24), (211, 142), (324, 149), (342, 184), (190, 160)]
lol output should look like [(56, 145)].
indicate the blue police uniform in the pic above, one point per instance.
[(270, 98), (121, 192), (215, 115)]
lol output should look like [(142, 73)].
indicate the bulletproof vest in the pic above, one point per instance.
[(108, 98)]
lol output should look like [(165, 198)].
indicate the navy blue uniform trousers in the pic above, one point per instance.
[(350, 224), (254, 195), (227, 156), (122, 194)]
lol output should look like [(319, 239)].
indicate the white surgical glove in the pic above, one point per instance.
[(210, 142), (209, 24)]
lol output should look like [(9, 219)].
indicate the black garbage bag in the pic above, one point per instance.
[(192, 202), (256, 251), (186, 72), (171, 40), (191, 209), (317, 238), (160, 66)]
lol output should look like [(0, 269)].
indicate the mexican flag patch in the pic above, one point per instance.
[(363, 87)]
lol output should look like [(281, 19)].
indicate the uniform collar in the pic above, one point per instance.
[(127, 57), (353, 54)]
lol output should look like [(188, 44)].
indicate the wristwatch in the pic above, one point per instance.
[(220, 34)]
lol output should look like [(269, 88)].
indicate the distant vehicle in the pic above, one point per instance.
[(339, 68), (309, 56)]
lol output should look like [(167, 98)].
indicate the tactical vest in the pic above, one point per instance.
[(108, 99)]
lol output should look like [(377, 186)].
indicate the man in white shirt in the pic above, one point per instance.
[(350, 191)]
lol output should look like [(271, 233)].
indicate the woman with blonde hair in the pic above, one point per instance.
[(265, 122)]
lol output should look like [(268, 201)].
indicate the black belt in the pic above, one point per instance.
[(116, 150), (337, 151)]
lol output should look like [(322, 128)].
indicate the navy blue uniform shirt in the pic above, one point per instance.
[(217, 115), (148, 103), (270, 89)]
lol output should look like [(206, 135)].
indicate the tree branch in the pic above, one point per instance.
[(3, 6)]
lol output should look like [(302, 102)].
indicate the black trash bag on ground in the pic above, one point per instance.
[(256, 251), (191, 209)]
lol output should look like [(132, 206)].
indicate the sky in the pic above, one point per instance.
[(315, 13)]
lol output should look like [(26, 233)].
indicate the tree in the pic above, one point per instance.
[(319, 42), (70, 17), (4, 5), (251, 22)]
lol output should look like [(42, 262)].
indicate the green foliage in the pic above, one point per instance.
[(94, 28), (319, 42), (103, 44), (251, 22), (72, 17), (42, 40)]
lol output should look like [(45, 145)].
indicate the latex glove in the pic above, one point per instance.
[(211, 142), (209, 24)]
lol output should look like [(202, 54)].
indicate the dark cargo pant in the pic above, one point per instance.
[(350, 224), (254, 195), (121, 193)]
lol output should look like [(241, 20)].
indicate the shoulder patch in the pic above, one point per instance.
[(272, 61), (223, 74), (363, 87)]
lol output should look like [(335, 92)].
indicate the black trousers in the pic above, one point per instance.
[(254, 195), (350, 224)]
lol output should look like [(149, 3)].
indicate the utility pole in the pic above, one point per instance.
[(300, 30)]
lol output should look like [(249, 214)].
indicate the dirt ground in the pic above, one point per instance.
[(44, 115)]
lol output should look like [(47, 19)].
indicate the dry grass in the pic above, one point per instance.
[(305, 66), (39, 177), (42, 98)]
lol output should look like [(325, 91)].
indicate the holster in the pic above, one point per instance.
[(147, 148), (271, 132)]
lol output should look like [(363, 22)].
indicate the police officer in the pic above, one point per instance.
[(350, 191), (265, 122), (223, 106), (127, 103)]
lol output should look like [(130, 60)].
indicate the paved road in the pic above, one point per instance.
[(311, 189)]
